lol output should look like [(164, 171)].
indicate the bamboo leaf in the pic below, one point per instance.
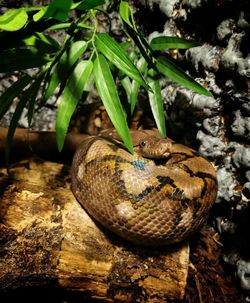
[(133, 98), (60, 26), (13, 91), (126, 83), (132, 87), (20, 59), (70, 97), (68, 25), (165, 42), (116, 55), (142, 66), (33, 91), (89, 83), (128, 20), (107, 90), (13, 124), (13, 20), (65, 63), (42, 42), (58, 10), (89, 4), (125, 13), (40, 13), (175, 73), (157, 106)]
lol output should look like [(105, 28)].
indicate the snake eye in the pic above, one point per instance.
[(143, 143)]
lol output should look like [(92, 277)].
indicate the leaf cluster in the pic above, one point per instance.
[(86, 58)]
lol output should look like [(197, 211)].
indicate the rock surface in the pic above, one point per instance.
[(221, 124)]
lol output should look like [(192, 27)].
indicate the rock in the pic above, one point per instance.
[(211, 146), (241, 157), (243, 272)]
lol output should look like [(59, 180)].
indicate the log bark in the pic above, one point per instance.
[(28, 142), (47, 239)]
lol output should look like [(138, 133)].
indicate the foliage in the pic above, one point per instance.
[(85, 58)]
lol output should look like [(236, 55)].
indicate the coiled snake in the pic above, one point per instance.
[(160, 195)]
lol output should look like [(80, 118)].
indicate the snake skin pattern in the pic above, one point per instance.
[(160, 195)]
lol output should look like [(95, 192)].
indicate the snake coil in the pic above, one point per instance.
[(160, 195)]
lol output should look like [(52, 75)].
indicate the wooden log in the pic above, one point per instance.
[(47, 239), (28, 142)]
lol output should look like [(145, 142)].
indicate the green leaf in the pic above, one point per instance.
[(132, 88), (37, 37), (175, 73), (165, 42), (58, 10), (13, 124), (126, 83), (67, 25), (67, 60), (59, 26), (89, 84), (115, 53), (89, 4), (157, 106), (70, 97), (33, 91), (107, 90), (13, 20), (43, 43), (20, 59), (40, 13), (126, 14), (128, 20), (133, 98), (142, 66), (13, 91)]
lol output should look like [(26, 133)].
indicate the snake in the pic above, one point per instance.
[(160, 195)]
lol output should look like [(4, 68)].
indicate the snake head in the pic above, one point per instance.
[(155, 147)]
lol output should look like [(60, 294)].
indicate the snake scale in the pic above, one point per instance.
[(160, 195)]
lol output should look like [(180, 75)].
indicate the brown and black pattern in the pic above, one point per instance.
[(160, 195)]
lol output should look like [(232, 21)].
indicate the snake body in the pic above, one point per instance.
[(160, 195)]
